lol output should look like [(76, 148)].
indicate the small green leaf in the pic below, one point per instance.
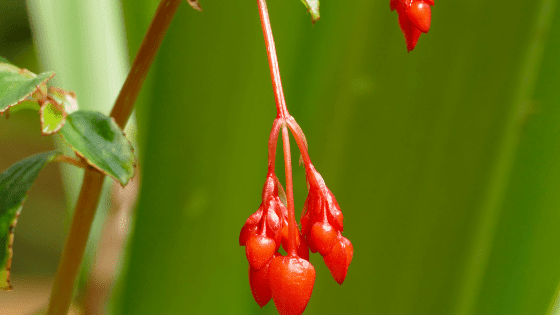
[(195, 4), (53, 117), (14, 184), (16, 87), (67, 98), (24, 105), (313, 8), (101, 142), (2, 60)]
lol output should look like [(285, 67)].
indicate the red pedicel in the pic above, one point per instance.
[(291, 284)]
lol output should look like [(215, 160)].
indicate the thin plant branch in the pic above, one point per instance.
[(72, 255)]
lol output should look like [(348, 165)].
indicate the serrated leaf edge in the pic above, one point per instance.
[(41, 114), (27, 95), (134, 163), (10, 241), (11, 235)]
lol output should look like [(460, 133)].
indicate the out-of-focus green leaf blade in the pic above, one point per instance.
[(408, 143), (3, 60), (101, 142), (53, 117), (15, 88), (15, 182), (522, 274)]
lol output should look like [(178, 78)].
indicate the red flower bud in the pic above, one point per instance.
[(323, 237), (259, 250), (291, 284), (260, 285), (420, 15), (338, 260), (334, 214), (414, 19), (246, 232), (303, 249)]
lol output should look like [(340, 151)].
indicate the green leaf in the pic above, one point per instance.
[(2, 60), (195, 4), (67, 98), (14, 184), (313, 8), (53, 117), (16, 87), (27, 104), (101, 142)]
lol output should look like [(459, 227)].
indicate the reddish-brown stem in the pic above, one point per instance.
[(302, 145), (63, 287), (292, 225), (71, 260), (281, 108), (143, 61)]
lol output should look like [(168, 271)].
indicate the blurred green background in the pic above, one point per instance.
[(445, 161)]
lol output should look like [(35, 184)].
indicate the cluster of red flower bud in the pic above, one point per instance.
[(322, 225), (415, 17), (288, 280)]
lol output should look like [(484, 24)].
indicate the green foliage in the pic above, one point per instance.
[(53, 117), (14, 184), (18, 84), (101, 142)]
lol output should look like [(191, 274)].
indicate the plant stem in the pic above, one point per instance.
[(272, 141), (281, 108), (292, 225), (63, 287), (71, 260), (143, 61)]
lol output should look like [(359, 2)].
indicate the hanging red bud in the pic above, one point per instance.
[(291, 284)]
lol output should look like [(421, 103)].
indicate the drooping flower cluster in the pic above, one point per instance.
[(415, 17), (322, 224), (289, 280)]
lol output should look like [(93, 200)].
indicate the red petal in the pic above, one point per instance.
[(246, 232), (272, 218), (254, 218), (334, 214)]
